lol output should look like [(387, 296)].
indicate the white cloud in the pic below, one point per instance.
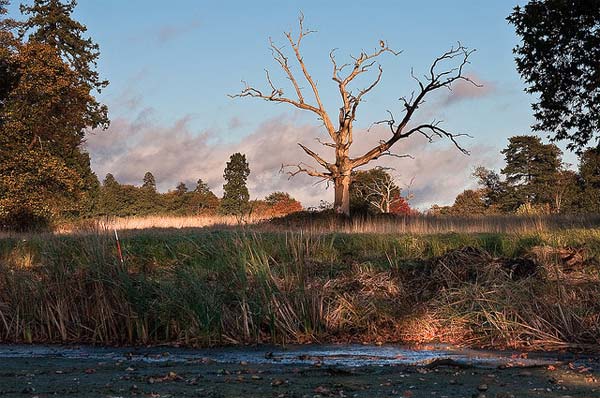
[(464, 90), (176, 153)]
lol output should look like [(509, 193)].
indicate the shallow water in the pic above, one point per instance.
[(358, 371), (338, 355)]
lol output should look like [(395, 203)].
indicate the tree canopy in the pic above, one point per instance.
[(47, 104), (558, 59)]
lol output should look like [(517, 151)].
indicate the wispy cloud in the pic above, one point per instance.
[(177, 153), (463, 90), (167, 33), (235, 123)]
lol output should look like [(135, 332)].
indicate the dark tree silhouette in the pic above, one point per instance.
[(558, 58)]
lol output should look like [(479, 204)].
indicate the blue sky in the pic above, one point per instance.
[(172, 64)]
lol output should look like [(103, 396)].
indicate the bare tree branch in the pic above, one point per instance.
[(435, 80), (304, 168), (315, 156)]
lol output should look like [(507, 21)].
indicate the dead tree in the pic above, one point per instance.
[(341, 133), (382, 193)]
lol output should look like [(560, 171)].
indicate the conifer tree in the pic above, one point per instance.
[(531, 167), (149, 181), (235, 193), (181, 188)]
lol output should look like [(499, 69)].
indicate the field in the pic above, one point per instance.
[(529, 284)]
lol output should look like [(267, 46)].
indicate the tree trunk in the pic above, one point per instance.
[(341, 205)]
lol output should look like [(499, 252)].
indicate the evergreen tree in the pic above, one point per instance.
[(110, 196), (50, 22), (531, 167), (110, 181), (181, 188), (235, 193), (202, 187), (149, 182), (202, 198), (148, 199)]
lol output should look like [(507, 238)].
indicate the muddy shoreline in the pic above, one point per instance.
[(318, 371)]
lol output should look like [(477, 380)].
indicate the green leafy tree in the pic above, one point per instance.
[(148, 199), (469, 203), (46, 105), (566, 192), (235, 192), (589, 172), (531, 167), (109, 202), (203, 199), (281, 203), (558, 58), (42, 116), (494, 189)]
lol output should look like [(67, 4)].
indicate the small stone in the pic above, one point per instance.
[(482, 387)]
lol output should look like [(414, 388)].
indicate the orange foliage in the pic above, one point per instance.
[(400, 206)]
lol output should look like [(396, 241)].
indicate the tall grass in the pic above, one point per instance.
[(329, 223), (239, 287)]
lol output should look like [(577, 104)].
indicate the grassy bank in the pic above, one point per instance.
[(536, 290)]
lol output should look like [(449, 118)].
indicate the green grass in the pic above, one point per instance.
[(235, 287)]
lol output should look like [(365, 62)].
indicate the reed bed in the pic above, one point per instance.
[(216, 287), (316, 223)]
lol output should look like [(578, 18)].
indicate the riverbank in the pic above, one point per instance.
[(204, 288)]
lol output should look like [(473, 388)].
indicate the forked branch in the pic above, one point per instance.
[(434, 80)]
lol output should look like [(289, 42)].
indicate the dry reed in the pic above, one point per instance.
[(224, 287)]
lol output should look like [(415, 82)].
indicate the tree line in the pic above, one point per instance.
[(373, 191), (115, 199), (534, 180)]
